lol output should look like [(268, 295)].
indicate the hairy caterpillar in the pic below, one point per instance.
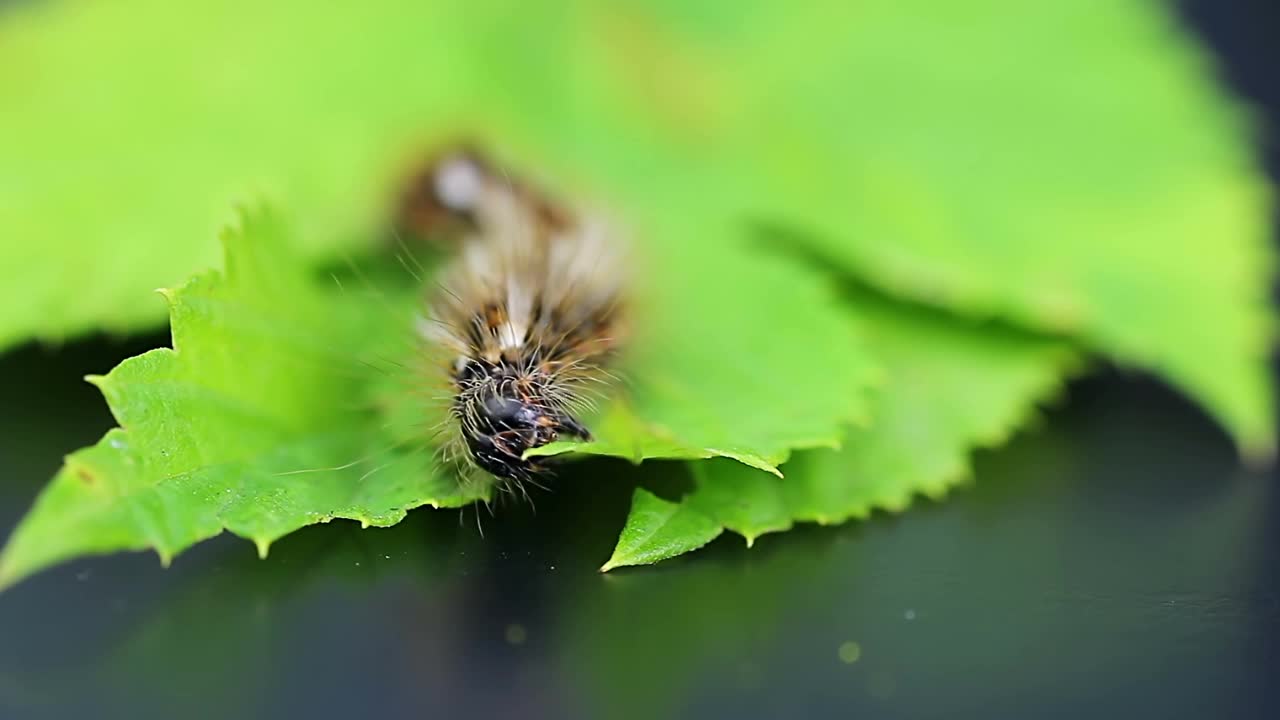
[(528, 314)]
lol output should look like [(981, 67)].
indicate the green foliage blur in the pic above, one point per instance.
[(952, 201)]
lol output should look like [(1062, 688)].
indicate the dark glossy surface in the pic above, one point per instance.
[(1114, 561)]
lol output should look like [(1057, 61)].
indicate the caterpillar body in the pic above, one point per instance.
[(528, 315)]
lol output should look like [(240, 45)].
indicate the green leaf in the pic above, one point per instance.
[(260, 420), (749, 503), (274, 100), (1100, 185), (1069, 166), (130, 129), (658, 529), (738, 355), (289, 400), (950, 387)]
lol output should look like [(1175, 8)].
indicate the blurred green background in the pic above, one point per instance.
[(996, 158)]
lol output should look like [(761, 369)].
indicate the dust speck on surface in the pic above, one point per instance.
[(515, 634), (849, 652)]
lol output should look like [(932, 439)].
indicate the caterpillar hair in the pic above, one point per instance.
[(528, 316)]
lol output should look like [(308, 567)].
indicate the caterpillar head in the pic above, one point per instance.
[(503, 414)]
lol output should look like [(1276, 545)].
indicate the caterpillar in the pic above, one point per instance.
[(528, 315)]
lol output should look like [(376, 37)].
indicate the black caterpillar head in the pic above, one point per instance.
[(504, 412)]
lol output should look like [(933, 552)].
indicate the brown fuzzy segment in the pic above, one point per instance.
[(529, 313)]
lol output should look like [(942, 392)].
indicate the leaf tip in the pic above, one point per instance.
[(264, 547), (769, 465), (7, 576), (1259, 456)]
